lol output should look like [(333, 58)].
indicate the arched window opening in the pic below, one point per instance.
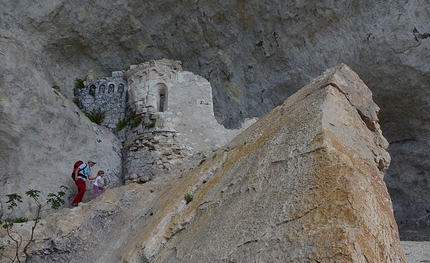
[(161, 106), (161, 98), (92, 90), (102, 89), (111, 88), (121, 88)]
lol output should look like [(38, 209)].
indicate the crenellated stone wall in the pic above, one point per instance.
[(107, 94)]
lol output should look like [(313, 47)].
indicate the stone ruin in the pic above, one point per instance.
[(149, 85), (107, 94), (170, 127)]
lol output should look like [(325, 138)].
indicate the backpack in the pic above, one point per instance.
[(75, 167)]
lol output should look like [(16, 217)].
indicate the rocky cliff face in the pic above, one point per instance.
[(42, 133), (254, 53), (304, 183)]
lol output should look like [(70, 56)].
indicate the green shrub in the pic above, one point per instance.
[(188, 197), (79, 83), (136, 121), (56, 87), (121, 124), (96, 116), (151, 125), (20, 220)]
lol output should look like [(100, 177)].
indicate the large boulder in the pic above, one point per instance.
[(304, 183)]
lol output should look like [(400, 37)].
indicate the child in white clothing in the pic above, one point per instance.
[(99, 183)]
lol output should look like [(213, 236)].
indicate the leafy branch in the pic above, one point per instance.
[(15, 239)]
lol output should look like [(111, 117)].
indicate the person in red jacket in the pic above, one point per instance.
[(82, 174)]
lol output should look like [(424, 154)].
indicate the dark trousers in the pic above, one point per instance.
[(82, 187)]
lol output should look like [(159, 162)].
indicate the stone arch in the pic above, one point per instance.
[(102, 88), (111, 88), (120, 87), (162, 102), (92, 90), (161, 97)]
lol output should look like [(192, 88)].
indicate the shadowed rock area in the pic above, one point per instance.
[(302, 184)]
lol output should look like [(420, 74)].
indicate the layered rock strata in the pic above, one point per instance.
[(303, 184)]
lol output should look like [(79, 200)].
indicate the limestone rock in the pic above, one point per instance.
[(42, 133), (255, 54), (302, 184), (416, 252)]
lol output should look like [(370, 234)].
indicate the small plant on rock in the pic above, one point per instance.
[(79, 83), (96, 115), (151, 125), (131, 114), (227, 149), (20, 220), (188, 197), (136, 121), (56, 87), (121, 124)]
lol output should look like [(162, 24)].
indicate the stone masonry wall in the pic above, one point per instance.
[(107, 94)]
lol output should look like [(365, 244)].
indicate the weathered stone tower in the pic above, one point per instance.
[(149, 84)]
